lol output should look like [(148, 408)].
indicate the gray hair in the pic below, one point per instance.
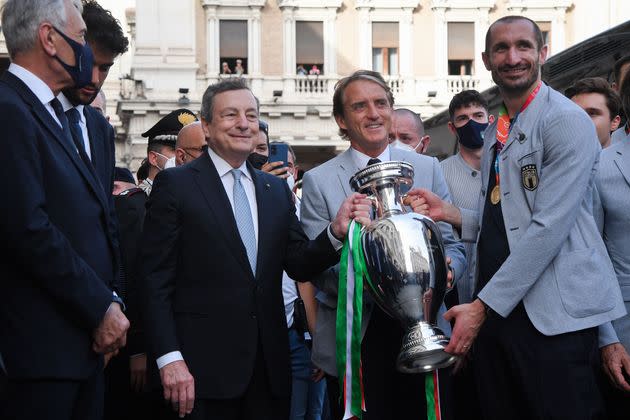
[(225, 85), (22, 18)]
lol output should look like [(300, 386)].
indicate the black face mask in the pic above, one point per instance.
[(81, 72), (257, 160), (470, 135)]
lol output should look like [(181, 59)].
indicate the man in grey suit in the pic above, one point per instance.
[(544, 281), (362, 106), (620, 69), (613, 186)]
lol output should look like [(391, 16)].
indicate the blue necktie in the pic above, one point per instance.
[(244, 220), (77, 134), (58, 108)]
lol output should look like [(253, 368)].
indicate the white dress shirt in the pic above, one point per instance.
[(40, 89), (361, 160), (84, 131), (224, 168)]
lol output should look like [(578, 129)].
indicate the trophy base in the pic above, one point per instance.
[(423, 350)]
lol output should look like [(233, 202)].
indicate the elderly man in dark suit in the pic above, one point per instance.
[(59, 254), (218, 235)]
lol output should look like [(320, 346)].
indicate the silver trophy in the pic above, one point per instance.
[(405, 260)]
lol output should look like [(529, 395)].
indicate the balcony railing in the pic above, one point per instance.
[(456, 84), (395, 84), (312, 86)]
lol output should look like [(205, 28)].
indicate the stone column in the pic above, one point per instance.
[(165, 56), (558, 23), (330, 40), (405, 38), (481, 27), (441, 50), (288, 38), (213, 57), (365, 38), (254, 42)]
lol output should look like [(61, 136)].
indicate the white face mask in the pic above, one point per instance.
[(402, 146), (170, 163), (291, 182), (166, 163)]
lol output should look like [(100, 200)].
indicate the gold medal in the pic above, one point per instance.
[(495, 195)]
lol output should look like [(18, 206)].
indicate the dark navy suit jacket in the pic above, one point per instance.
[(199, 294), (58, 259)]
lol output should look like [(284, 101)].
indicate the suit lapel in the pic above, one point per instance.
[(47, 121), (95, 139), (622, 160), (209, 182), (486, 156), (396, 154), (524, 121), (346, 170)]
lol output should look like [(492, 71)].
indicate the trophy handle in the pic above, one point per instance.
[(453, 282)]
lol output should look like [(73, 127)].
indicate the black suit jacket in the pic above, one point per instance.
[(102, 145), (199, 294), (130, 209), (58, 259)]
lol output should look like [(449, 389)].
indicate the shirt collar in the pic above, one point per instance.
[(223, 167), (361, 160), (41, 90), (65, 102)]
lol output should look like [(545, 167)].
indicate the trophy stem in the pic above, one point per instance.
[(388, 200), (423, 349)]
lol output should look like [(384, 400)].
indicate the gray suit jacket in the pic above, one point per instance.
[(613, 185), (558, 264), (323, 190)]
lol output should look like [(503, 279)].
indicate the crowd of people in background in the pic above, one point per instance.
[(206, 286)]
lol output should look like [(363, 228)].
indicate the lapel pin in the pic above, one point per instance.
[(267, 186), (521, 137)]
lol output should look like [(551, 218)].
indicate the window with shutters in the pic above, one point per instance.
[(309, 48), (233, 47), (385, 47), (461, 48)]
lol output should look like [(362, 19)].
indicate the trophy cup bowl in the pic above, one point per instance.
[(406, 264)]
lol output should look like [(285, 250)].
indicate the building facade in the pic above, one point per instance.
[(292, 52)]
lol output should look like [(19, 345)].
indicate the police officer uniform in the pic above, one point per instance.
[(165, 132)]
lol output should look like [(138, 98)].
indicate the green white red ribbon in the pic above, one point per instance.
[(352, 273), (432, 392), (349, 317)]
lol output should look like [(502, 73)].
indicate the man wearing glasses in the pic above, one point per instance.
[(190, 143)]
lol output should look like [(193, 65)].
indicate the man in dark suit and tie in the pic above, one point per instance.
[(218, 235), (59, 259), (89, 128)]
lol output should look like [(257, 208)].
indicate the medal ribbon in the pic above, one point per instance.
[(504, 127), (349, 317)]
